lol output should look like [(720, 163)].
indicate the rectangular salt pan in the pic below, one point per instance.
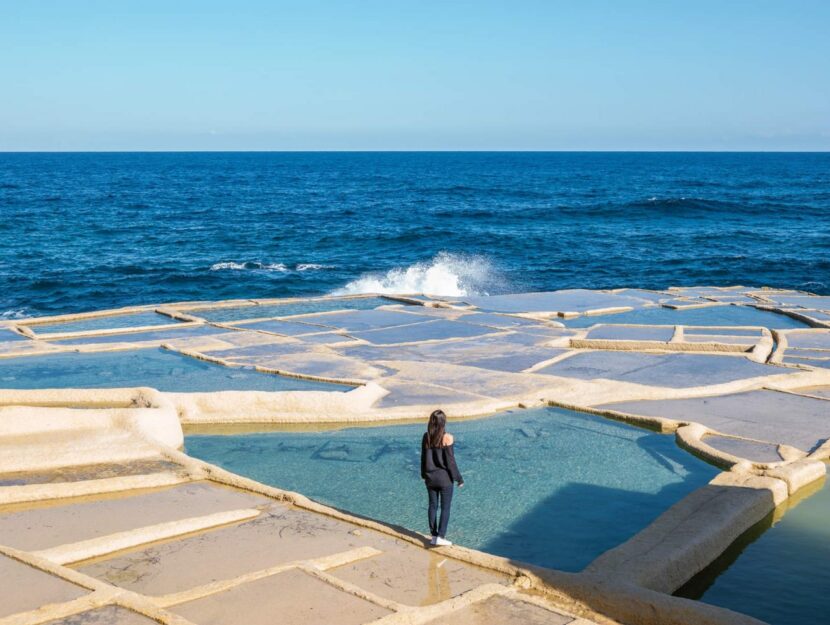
[(508, 352), (757, 452), (112, 322), (752, 332), (514, 363), (576, 300), (297, 597), (504, 611), (255, 351), (709, 291), (78, 520), (670, 370), (159, 336), (711, 316), (26, 588), (807, 353), (238, 313), (281, 534), (327, 338), (427, 331), (355, 320), (108, 615), (682, 304), (765, 415), (816, 339), (817, 391), (156, 368), (424, 395), (802, 301), (287, 328), (628, 333), (809, 362), (819, 315), (8, 336), (720, 338), (651, 296), (495, 320), (81, 473)]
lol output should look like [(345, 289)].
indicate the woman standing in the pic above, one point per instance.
[(439, 471)]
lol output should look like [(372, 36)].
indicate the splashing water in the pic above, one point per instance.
[(448, 275)]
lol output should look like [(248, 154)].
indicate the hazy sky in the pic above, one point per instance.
[(395, 75)]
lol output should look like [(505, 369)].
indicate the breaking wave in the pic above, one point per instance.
[(448, 275)]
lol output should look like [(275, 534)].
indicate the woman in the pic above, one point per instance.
[(439, 471)]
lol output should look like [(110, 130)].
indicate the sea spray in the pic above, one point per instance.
[(446, 274)]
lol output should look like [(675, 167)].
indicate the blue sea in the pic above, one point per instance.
[(88, 231)]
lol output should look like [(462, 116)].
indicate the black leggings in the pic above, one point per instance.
[(444, 493)]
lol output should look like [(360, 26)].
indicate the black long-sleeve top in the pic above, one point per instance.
[(438, 466)]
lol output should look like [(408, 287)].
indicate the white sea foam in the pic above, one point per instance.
[(221, 266), (280, 267), (15, 313), (313, 267), (448, 275)]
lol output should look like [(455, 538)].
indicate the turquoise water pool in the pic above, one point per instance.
[(709, 316), (547, 486), (157, 368), (779, 570)]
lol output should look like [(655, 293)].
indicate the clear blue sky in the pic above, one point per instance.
[(395, 75)]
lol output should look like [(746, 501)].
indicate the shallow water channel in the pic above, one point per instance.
[(778, 570), (547, 486)]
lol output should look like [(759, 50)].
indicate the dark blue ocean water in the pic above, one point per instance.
[(91, 231)]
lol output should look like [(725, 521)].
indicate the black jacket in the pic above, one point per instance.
[(438, 466)]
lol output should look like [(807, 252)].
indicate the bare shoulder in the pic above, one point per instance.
[(448, 440)]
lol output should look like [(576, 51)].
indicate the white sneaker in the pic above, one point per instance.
[(432, 540), (442, 542)]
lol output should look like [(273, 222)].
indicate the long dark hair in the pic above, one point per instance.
[(435, 428)]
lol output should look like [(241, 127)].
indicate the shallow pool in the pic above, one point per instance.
[(290, 308), (112, 322), (157, 336), (157, 368), (547, 486), (7, 335), (708, 316), (779, 569)]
